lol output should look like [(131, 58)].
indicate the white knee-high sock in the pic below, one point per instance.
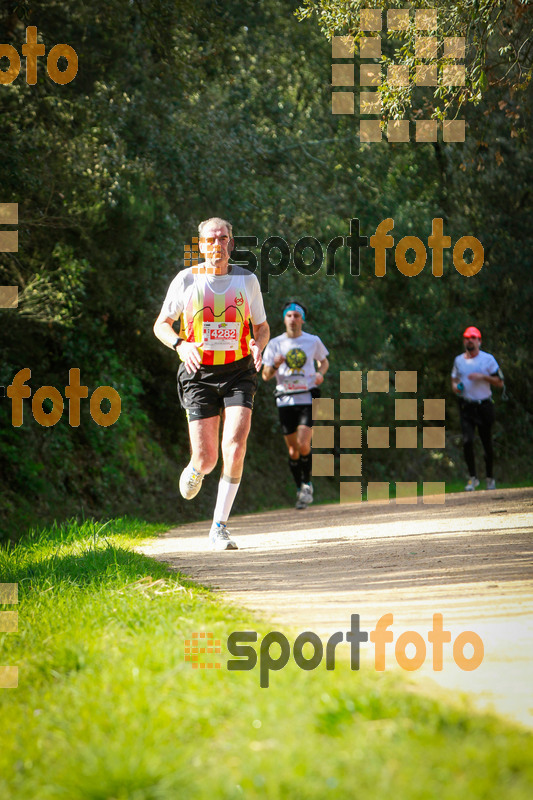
[(227, 489)]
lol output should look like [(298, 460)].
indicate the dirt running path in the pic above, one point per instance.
[(470, 559)]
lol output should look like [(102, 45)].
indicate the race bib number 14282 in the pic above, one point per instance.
[(221, 335)]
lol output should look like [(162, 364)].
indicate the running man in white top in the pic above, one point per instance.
[(215, 302), (291, 357), (474, 373)]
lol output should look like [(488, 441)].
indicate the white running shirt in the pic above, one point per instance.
[(297, 372), (483, 362)]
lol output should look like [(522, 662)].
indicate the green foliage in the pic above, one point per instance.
[(184, 110), (498, 49)]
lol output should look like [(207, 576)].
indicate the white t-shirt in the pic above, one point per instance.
[(297, 372), (462, 367)]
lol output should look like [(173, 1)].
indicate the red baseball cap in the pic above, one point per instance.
[(471, 331)]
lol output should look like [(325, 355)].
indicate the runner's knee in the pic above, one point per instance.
[(205, 461), (233, 451), (294, 452)]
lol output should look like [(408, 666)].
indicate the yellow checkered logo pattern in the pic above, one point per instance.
[(351, 435), (431, 72)]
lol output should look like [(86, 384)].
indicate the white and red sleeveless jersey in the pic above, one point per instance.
[(215, 311)]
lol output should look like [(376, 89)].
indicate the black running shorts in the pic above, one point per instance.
[(212, 388), (475, 414), (292, 416)]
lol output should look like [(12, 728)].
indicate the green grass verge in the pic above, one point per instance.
[(108, 709)]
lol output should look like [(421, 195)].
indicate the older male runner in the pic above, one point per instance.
[(474, 373), (291, 358), (215, 301)]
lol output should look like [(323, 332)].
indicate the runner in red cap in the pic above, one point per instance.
[(473, 375), (472, 332)]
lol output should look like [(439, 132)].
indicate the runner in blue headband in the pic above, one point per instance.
[(298, 360), (295, 307)]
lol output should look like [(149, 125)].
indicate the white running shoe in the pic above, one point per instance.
[(491, 483), (472, 483), (300, 502), (190, 482), (219, 537), (307, 490), (305, 495)]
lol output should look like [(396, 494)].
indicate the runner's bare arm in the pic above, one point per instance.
[(164, 331), (321, 367), (259, 342), (268, 372), (188, 350)]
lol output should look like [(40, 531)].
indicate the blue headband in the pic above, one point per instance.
[(294, 307)]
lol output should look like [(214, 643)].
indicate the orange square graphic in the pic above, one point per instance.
[(342, 103), (342, 46), (350, 492), (426, 75), (9, 213), (323, 465), (434, 438), (9, 296), (398, 19), (435, 409), (377, 492), (351, 436), (9, 241), (453, 75), (342, 74), (405, 409), (370, 74), (323, 408), (9, 621), (370, 47), (9, 677), (9, 593), (454, 47), (351, 381), (193, 648), (377, 380), (398, 130), (426, 130), (434, 492), (426, 47), (426, 19), (398, 75), (377, 437), (351, 465), (453, 130), (350, 409), (406, 381), (324, 437), (406, 492), (370, 130), (406, 438), (370, 19), (370, 102)]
